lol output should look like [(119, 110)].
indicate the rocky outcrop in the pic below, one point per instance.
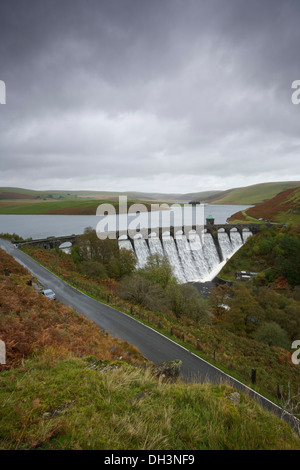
[(168, 370)]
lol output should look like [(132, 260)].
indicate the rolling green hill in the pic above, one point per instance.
[(253, 194), (7, 193), (26, 201), (283, 208)]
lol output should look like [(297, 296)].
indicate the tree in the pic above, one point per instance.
[(185, 300), (91, 247), (159, 270), (176, 299), (127, 262), (245, 313), (75, 254), (218, 299), (287, 263), (117, 262), (139, 290), (93, 269), (236, 309), (272, 334)]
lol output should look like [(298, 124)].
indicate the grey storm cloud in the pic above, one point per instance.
[(169, 95)]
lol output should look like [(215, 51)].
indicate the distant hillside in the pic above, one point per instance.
[(8, 193), (284, 208), (26, 201), (203, 196), (253, 194)]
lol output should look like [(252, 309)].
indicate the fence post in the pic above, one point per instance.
[(278, 392), (253, 376)]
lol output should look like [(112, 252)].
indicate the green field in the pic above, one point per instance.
[(255, 194), (87, 207), (65, 207)]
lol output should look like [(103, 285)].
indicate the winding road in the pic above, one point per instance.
[(153, 345)]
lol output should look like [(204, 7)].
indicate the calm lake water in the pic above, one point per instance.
[(42, 226)]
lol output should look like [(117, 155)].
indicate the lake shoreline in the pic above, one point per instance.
[(43, 226)]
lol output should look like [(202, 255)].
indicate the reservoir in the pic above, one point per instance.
[(43, 226)]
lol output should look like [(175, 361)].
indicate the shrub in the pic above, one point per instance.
[(94, 269), (272, 334), (142, 291), (159, 271), (90, 249)]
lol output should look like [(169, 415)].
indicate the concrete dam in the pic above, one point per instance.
[(197, 257), (194, 258)]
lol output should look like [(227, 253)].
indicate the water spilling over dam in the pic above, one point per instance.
[(194, 259)]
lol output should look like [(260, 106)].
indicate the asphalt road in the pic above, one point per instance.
[(152, 344)]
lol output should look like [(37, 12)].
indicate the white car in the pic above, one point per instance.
[(49, 294)]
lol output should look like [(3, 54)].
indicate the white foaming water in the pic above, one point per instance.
[(236, 240), (125, 244), (192, 260), (225, 244), (171, 251), (155, 246), (186, 257), (199, 257), (210, 252), (142, 251), (246, 235)]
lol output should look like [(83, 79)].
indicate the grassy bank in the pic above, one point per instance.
[(70, 404)]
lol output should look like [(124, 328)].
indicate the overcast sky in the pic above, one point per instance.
[(158, 96)]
